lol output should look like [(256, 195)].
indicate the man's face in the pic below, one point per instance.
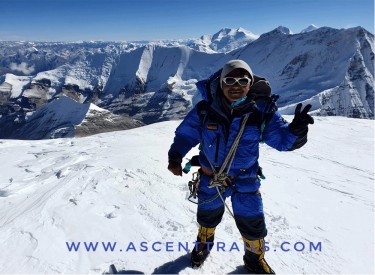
[(236, 92)]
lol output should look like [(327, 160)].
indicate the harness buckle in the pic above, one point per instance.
[(218, 180)]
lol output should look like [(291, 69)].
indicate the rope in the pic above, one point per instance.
[(219, 176), (226, 205), (235, 143)]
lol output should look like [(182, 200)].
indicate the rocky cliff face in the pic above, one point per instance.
[(329, 68), (65, 117)]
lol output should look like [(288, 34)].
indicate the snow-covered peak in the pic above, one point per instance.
[(95, 108), (283, 30), (234, 33), (279, 31), (310, 28), (225, 40)]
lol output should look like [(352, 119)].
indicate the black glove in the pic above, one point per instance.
[(175, 167), (301, 120)]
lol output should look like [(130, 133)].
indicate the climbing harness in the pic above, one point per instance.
[(218, 177), (193, 190)]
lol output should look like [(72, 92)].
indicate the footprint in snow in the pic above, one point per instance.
[(3, 194)]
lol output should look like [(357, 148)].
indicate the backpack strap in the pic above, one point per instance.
[(202, 110)]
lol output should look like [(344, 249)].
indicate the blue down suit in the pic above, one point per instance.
[(214, 125)]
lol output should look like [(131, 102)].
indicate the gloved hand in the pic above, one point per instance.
[(301, 120), (175, 167)]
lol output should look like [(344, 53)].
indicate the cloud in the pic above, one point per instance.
[(23, 67)]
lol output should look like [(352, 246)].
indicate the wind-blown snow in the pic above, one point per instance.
[(115, 187)]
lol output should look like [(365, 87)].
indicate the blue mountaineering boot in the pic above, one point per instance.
[(203, 246), (254, 257)]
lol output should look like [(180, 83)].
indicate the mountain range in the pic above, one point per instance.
[(60, 89)]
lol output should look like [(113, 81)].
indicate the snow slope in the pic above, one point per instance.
[(114, 187)]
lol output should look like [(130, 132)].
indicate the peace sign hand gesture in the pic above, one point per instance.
[(302, 119)]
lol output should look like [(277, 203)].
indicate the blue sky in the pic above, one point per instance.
[(119, 20)]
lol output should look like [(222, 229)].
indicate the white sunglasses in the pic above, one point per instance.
[(242, 81)]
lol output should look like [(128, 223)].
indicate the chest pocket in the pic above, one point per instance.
[(248, 148), (213, 141)]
